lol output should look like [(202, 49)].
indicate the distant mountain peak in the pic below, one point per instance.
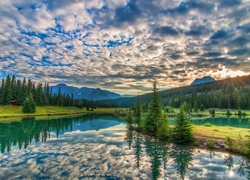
[(203, 80), (85, 92), (62, 84)]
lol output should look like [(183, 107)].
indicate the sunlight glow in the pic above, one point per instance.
[(225, 73)]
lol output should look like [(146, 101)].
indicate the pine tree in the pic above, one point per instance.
[(129, 117), (59, 97), (39, 94), (7, 95), (29, 105), (202, 108), (138, 113), (2, 92), (19, 92), (163, 129), (24, 91), (182, 133), (195, 107), (212, 112), (14, 87), (154, 115)]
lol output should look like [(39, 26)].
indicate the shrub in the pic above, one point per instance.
[(229, 143), (207, 124), (211, 144)]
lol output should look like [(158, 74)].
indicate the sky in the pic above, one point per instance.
[(124, 45)]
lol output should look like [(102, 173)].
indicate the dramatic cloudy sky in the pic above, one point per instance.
[(123, 45)]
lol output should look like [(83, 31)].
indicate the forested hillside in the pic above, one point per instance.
[(14, 91), (228, 93)]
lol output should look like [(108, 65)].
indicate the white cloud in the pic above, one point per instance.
[(78, 32)]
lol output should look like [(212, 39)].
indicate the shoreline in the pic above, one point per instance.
[(219, 145)]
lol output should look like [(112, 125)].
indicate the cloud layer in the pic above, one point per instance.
[(124, 45)]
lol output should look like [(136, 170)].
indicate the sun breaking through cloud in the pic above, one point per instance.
[(116, 44)]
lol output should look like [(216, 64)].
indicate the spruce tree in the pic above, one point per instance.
[(138, 113), (7, 95), (163, 129), (182, 133), (129, 117), (29, 105), (195, 107), (154, 115), (24, 91), (26, 105), (2, 92), (39, 94)]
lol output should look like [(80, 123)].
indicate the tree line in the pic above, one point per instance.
[(15, 91), (231, 93)]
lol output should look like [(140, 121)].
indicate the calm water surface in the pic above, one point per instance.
[(101, 147), (231, 121)]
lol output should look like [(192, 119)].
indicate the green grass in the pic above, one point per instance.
[(221, 132), (10, 112), (218, 112)]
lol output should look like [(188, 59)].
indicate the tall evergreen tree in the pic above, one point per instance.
[(19, 92), (39, 94), (7, 95), (14, 87), (138, 113), (2, 92), (24, 91), (59, 97), (163, 128), (154, 115), (182, 132), (195, 107), (130, 117)]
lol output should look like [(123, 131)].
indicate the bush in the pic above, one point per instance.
[(207, 124), (211, 144), (248, 147), (229, 143), (169, 109)]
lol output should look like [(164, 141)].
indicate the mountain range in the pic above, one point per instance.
[(94, 94)]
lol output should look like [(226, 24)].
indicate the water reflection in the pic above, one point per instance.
[(170, 161), (93, 147), (30, 130)]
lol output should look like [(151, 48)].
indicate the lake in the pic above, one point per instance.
[(102, 147), (219, 121)]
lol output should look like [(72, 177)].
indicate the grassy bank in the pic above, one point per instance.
[(218, 112), (223, 138), (16, 111), (221, 132)]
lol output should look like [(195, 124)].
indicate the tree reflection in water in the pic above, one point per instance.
[(159, 153), (22, 133), (163, 156)]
